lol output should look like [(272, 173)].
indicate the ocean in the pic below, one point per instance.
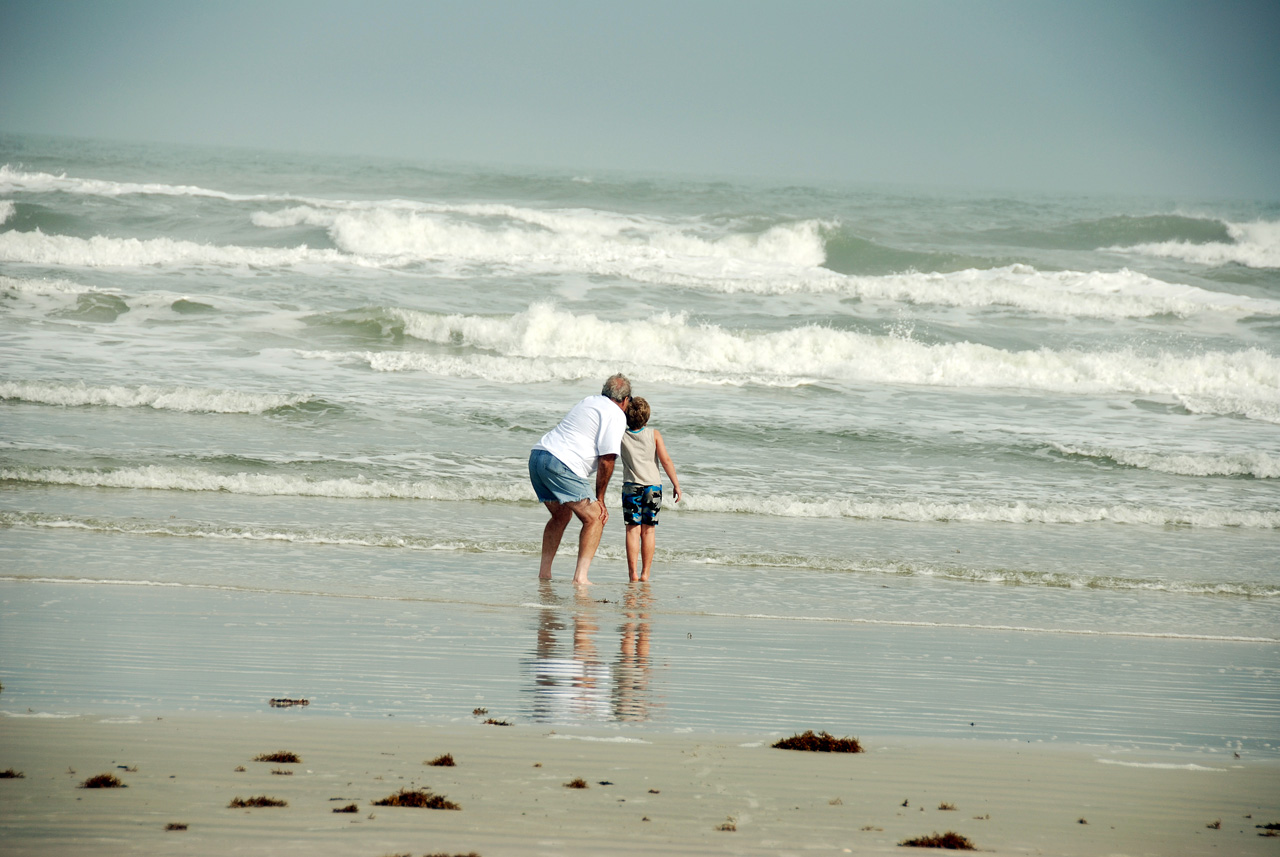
[(994, 465)]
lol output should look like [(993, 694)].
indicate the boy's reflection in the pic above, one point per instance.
[(579, 684)]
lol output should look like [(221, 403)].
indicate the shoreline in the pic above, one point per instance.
[(673, 793)]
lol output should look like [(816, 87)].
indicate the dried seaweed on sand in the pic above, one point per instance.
[(950, 840), (419, 798), (820, 743)]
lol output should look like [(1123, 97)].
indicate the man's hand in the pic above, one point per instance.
[(604, 513)]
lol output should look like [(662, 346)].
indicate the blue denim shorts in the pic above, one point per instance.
[(555, 483)]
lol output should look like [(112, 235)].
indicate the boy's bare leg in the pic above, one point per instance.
[(551, 535), (648, 540), (588, 511), (633, 552)]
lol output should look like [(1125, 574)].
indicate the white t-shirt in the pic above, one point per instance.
[(592, 428)]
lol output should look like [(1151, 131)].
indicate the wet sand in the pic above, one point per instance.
[(647, 793)]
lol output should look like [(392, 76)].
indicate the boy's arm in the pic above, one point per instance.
[(665, 460)]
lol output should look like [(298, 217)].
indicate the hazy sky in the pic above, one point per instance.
[(1169, 97)]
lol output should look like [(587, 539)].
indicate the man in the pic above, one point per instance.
[(585, 443)]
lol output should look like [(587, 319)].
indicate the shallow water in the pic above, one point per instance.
[(910, 425)]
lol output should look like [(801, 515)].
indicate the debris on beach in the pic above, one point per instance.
[(288, 703), (730, 825), (175, 825), (417, 798), (479, 712), (578, 783), (103, 781), (1082, 821), (1216, 824), (279, 756), (492, 722), (255, 802), (11, 774), (947, 807), (950, 840), (442, 761), (351, 807), (822, 742), (280, 772)]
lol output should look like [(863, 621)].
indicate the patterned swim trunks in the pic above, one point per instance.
[(640, 503)]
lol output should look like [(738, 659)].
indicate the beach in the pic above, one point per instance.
[(985, 480), (670, 794)]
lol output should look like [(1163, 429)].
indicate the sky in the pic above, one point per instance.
[(1153, 97)]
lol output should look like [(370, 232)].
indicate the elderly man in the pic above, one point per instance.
[(586, 442)]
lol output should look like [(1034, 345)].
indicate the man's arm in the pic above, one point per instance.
[(604, 472)]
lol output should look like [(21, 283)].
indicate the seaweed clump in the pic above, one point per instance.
[(419, 798), (103, 781), (578, 783), (255, 802), (11, 774), (351, 807), (279, 756), (950, 840), (822, 742), (442, 761)]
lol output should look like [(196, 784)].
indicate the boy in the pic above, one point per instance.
[(642, 452)]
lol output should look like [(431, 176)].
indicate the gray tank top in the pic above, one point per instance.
[(640, 458)]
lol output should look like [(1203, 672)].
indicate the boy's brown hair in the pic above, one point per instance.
[(637, 413)]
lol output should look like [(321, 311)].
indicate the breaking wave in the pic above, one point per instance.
[(1259, 465), (1253, 245), (189, 399), (679, 350), (157, 477)]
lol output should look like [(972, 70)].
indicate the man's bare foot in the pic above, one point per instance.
[(583, 582), (544, 577)]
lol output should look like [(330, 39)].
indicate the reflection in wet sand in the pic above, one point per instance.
[(571, 680)]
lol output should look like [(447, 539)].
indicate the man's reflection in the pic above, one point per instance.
[(571, 681)]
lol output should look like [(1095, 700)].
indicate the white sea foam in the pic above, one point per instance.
[(190, 399), (158, 477), (1255, 463), (7, 210), (1232, 405), (19, 181), (37, 248), (674, 346), (1163, 766), (194, 479), (1257, 245), (42, 287), (532, 239)]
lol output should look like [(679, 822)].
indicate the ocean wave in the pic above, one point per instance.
[(1233, 406), (795, 506), (1253, 245), (782, 505), (596, 241), (1257, 464), (351, 537), (163, 478), (37, 248), (189, 399), (7, 210), (673, 346), (1079, 294), (19, 181), (45, 286)]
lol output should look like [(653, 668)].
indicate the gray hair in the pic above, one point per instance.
[(617, 387)]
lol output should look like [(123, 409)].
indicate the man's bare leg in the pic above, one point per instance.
[(588, 511), (648, 540), (551, 535)]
